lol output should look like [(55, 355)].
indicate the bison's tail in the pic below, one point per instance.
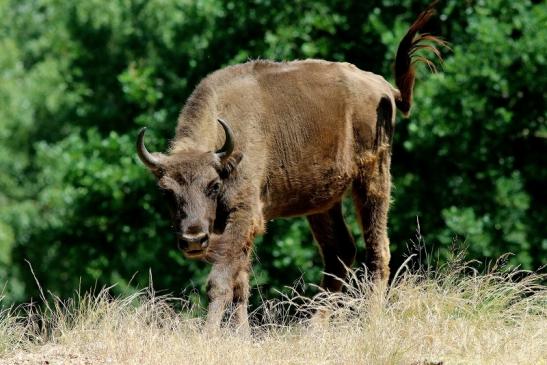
[(406, 57)]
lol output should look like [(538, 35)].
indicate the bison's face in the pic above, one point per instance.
[(192, 184)]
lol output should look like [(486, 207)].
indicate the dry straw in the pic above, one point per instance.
[(452, 315)]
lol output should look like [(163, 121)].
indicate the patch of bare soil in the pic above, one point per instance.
[(52, 355)]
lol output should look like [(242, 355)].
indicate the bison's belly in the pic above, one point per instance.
[(288, 195)]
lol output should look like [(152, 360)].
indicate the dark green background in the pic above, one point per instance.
[(79, 78)]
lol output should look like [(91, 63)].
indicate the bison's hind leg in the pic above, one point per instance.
[(371, 201), (371, 194), (336, 245)]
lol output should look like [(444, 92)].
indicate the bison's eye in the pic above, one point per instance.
[(213, 189)]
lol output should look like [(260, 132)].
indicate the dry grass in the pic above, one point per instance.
[(451, 316)]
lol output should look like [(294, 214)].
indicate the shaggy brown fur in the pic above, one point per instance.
[(304, 132)]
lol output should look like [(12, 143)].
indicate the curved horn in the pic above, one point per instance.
[(228, 147), (146, 157)]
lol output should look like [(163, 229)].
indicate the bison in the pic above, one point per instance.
[(264, 139)]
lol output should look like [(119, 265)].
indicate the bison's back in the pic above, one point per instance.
[(301, 126)]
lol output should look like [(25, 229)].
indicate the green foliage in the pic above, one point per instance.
[(476, 140), (77, 80)]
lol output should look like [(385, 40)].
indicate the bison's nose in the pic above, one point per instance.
[(195, 241)]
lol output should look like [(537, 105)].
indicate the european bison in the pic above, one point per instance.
[(264, 139)]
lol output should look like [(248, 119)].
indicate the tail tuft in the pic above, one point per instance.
[(406, 57)]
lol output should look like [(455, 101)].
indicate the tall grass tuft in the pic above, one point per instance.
[(451, 315)]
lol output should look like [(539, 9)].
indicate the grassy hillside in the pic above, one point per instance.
[(452, 315)]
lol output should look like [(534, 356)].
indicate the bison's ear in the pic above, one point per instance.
[(229, 165)]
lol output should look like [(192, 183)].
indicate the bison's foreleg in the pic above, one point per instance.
[(220, 292), (240, 301), (229, 279), (229, 283)]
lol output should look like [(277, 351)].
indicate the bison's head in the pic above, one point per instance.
[(192, 183)]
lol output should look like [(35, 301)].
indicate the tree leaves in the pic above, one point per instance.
[(77, 80)]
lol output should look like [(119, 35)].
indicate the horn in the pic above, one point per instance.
[(146, 157), (228, 147)]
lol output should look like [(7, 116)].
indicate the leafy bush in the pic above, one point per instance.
[(77, 79)]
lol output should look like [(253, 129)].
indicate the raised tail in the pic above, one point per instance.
[(406, 57)]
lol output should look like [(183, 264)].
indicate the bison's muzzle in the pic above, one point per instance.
[(193, 245)]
